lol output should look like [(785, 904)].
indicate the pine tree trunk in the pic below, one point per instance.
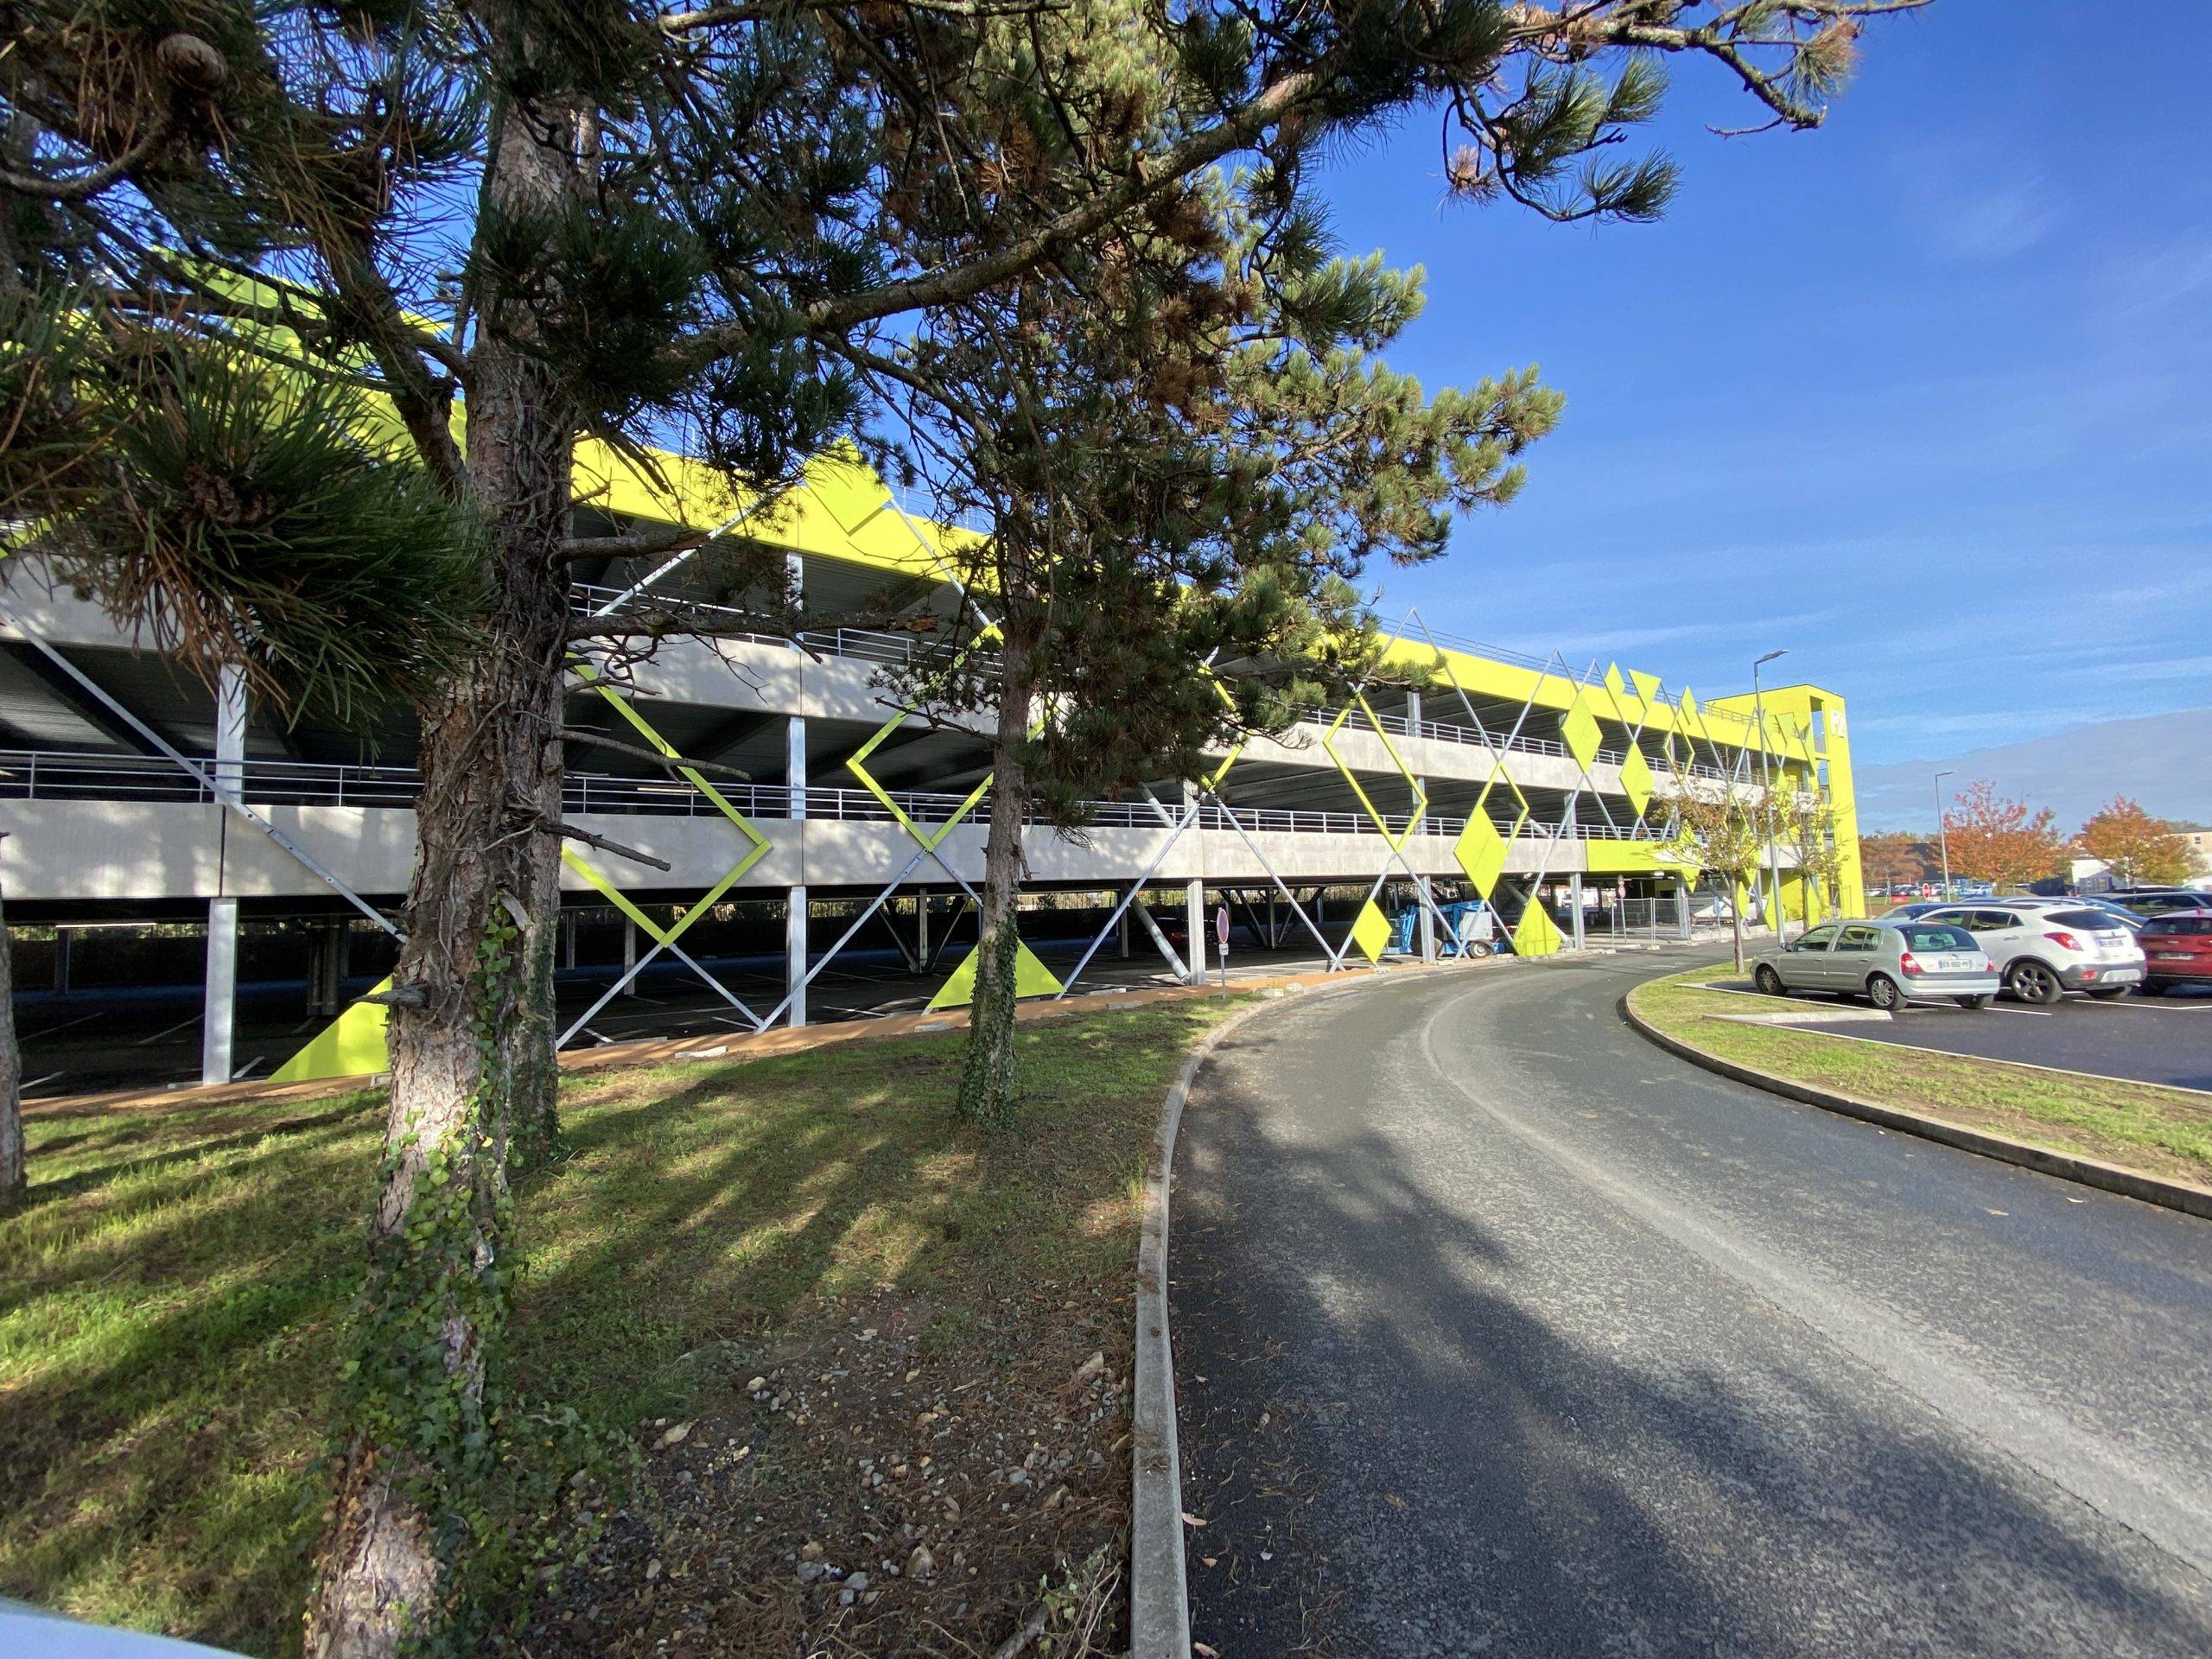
[(471, 1065), (988, 1080), (14, 1179)]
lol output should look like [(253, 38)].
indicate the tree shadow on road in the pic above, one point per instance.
[(1417, 1421)]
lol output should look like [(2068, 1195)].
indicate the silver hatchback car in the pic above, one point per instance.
[(1890, 961)]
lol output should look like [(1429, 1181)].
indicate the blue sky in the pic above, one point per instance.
[(1924, 397)]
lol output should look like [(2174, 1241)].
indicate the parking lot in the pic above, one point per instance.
[(2164, 1039)]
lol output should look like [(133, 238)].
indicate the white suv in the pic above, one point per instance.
[(2045, 951)]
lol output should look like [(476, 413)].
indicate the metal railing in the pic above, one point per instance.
[(890, 649), (27, 774)]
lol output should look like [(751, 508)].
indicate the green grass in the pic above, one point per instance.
[(171, 1304), (2159, 1131)]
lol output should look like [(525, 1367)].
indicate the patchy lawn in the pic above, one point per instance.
[(170, 1309), (2137, 1125)]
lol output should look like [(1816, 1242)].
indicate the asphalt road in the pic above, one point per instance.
[(1498, 1330)]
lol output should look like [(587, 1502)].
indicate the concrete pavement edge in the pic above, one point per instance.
[(2184, 1196)]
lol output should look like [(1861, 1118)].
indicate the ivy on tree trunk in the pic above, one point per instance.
[(472, 1067)]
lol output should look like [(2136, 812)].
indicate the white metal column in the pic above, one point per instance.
[(1194, 909), (795, 897), (795, 781), (1574, 903), (219, 1001), (1424, 901)]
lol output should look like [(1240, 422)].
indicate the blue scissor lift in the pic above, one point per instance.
[(1461, 922)]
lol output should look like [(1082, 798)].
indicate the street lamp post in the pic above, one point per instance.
[(1943, 830), (1766, 782)]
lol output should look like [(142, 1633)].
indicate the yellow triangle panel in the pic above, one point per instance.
[(1031, 978), (1534, 935), (351, 1046)]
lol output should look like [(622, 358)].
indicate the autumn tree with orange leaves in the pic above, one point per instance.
[(1892, 859), (1995, 838), (2139, 850)]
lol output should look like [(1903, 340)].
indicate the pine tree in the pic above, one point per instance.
[(1188, 451), (509, 224)]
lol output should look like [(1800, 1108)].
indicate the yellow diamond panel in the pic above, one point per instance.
[(1420, 798), (1370, 932), (1534, 935), (1481, 852), (936, 833), (1647, 685), (1636, 779), (1578, 729)]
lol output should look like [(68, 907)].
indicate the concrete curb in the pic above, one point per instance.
[(1159, 1595), (2184, 1196)]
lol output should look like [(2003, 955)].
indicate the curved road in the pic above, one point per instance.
[(1498, 1330)]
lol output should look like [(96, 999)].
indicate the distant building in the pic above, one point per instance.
[(2200, 847)]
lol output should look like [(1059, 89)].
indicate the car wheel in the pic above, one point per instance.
[(2151, 988), (1769, 982), (1981, 1001), (2033, 983), (1477, 950), (1882, 990), (2108, 993)]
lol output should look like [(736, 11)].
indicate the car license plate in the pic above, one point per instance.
[(2171, 956), (1955, 965)]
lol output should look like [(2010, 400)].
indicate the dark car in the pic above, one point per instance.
[(2157, 901), (2177, 950)]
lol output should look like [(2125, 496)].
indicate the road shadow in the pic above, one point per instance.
[(1408, 1431)]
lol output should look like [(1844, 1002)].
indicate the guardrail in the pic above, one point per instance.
[(27, 774)]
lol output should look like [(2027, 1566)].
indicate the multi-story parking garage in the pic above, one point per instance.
[(190, 880)]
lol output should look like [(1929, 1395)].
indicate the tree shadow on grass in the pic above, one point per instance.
[(170, 1337)]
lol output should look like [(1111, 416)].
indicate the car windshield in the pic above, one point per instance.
[(1939, 938), (2095, 920)]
